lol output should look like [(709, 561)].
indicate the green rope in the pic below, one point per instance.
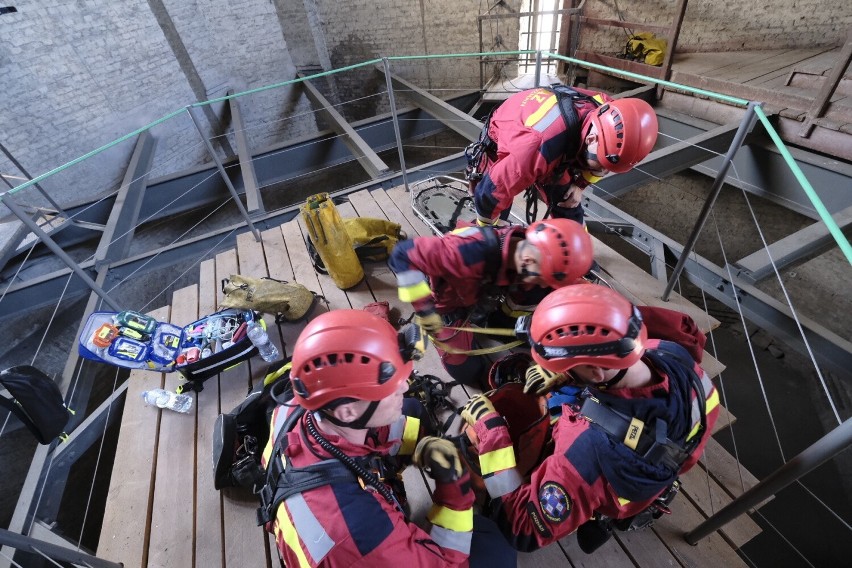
[(447, 55), (823, 213), (90, 154), (645, 78), (285, 83)]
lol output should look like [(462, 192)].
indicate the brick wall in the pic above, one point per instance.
[(77, 74), (712, 25)]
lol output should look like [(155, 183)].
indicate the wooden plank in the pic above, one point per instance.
[(710, 552), (610, 554), (245, 543), (133, 473), (277, 257), (709, 498), (252, 262), (365, 206), (392, 211), (742, 70), (402, 199), (280, 268), (724, 420), (819, 64), (547, 557), (645, 548), (173, 511), (209, 541), (726, 470), (642, 288), (784, 60), (704, 63), (303, 271)]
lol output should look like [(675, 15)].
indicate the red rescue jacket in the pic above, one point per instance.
[(344, 524), (531, 138)]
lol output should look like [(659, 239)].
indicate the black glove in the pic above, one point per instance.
[(539, 380), (440, 459), (476, 408), (412, 342)]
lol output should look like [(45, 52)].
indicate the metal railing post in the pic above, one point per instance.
[(41, 190), (224, 174), (537, 68), (812, 457), (53, 551), (392, 101), (745, 127), (57, 250)]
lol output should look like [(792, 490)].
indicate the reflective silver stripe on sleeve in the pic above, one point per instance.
[(314, 537), (502, 483), (410, 277), (395, 435), (454, 540), (547, 119)]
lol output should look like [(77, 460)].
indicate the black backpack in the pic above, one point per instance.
[(36, 401), (239, 436)]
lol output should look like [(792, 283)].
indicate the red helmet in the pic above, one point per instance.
[(566, 250), (346, 354), (627, 130), (586, 324)]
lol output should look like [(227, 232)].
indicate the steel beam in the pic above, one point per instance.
[(450, 116), (31, 545), (200, 186), (669, 160), (118, 234), (254, 201), (795, 248), (366, 156), (759, 308), (45, 289)]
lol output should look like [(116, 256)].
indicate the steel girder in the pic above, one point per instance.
[(830, 349)]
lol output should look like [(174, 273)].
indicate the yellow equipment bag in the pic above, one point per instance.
[(287, 301), (332, 242), (373, 239), (645, 47)]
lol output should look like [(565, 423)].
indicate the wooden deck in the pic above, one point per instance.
[(162, 509)]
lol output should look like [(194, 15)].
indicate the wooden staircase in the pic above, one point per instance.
[(162, 509)]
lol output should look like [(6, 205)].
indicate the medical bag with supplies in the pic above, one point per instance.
[(198, 351)]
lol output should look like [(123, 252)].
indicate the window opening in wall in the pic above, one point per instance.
[(539, 31)]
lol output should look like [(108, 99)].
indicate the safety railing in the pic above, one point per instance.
[(235, 177)]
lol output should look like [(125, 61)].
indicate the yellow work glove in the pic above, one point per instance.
[(476, 408), (430, 321), (539, 380), (440, 459)]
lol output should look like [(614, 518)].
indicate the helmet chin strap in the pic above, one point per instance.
[(603, 386), (360, 423)]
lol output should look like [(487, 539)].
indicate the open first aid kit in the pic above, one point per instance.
[(198, 351)]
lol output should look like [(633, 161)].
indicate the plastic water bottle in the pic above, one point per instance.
[(167, 399), (258, 336)]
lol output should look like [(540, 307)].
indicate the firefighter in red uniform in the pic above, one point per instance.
[(642, 414), (559, 140), (451, 280), (355, 435)]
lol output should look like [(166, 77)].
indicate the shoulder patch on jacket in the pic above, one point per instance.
[(554, 501)]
